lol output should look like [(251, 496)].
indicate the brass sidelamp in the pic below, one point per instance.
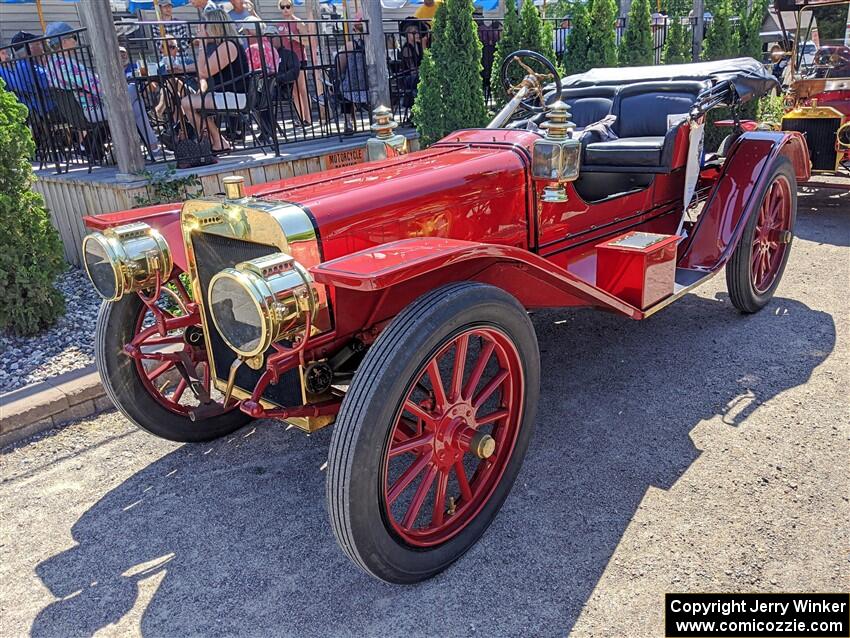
[(556, 158), (127, 258), (385, 143)]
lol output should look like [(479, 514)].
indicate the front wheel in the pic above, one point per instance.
[(152, 391), (433, 431), (756, 266)]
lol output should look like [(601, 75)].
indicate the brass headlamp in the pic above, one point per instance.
[(556, 158), (843, 137), (261, 301), (126, 258)]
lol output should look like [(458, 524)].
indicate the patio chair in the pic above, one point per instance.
[(68, 119), (246, 116), (347, 89)]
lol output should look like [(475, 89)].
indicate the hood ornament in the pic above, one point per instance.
[(386, 143)]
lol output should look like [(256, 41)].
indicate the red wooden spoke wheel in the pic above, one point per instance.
[(158, 361), (772, 234), (150, 390), (755, 268), (432, 431), (450, 447)]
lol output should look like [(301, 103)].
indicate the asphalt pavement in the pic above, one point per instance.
[(700, 450)]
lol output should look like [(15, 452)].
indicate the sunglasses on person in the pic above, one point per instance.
[(284, 6)]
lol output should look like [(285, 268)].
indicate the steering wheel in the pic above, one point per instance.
[(521, 65)]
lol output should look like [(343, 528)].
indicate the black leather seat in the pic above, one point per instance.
[(645, 141), (589, 105)]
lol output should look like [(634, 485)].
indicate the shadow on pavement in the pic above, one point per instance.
[(237, 536)]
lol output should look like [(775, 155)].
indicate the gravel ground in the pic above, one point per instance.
[(699, 450), (68, 345)]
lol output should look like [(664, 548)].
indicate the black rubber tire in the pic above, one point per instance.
[(362, 430), (739, 282), (115, 324)]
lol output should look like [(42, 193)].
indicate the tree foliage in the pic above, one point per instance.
[(677, 45), (32, 253), (831, 22), (521, 30), (722, 39), (508, 43), (575, 58), (450, 95), (636, 47), (602, 50), (749, 26), (536, 35)]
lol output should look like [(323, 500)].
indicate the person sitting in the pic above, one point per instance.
[(295, 34), (241, 10), (261, 54), (352, 70), (26, 77), (224, 73), (72, 75), (176, 28)]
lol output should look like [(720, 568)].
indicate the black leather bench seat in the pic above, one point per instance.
[(626, 151), (645, 138)]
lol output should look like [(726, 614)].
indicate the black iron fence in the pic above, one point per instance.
[(55, 79), (199, 89)]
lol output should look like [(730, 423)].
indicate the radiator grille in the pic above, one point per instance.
[(820, 136), (214, 253)]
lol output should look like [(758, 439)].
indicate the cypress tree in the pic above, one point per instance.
[(458, 61), (749, 27), (636, 48), (602, 50), (32, 252), (508, 43), (428, 106), (677, 44), (578, 41), (450, 96), (722, 39), (535, 35)]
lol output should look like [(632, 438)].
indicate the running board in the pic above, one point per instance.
[(686, 280)]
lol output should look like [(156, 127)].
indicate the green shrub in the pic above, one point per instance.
[(523, 30), (677, 45), (721, 42), (450, 95), (164, 187), (536, 35), (771, 108), (509, 42), (602, 50), (31, 255), (578, 41), (636, 47)]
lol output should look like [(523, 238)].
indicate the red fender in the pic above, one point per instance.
[(367, 283), (736, 194)]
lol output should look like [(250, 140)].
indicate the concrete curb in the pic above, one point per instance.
[(47, 404)]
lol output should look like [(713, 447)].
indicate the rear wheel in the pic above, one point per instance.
[(433, 431), (152, 391), (755, 269)]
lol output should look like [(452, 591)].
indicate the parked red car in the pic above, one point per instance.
[(391, 298)]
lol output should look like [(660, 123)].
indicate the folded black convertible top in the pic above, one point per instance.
[(749, 78)]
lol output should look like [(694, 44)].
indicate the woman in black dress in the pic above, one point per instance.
[(224, 73)]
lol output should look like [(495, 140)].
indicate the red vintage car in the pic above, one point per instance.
[(391, 298), (818, 94)]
